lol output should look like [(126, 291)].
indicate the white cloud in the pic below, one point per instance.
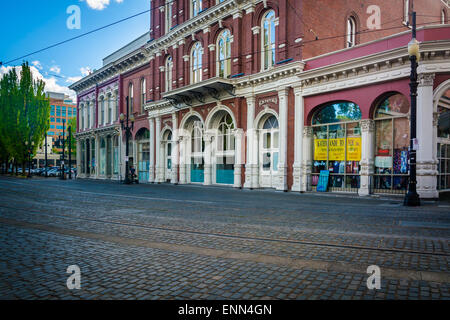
[(50, 83), (37, 64), (73, 79), (55, 69), (85, 71), (99, 4)]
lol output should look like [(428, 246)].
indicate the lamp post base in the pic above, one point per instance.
[(412, 199)]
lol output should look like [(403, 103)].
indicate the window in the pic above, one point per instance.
[(443, 17), (109, 120), (52, 113), (351, 32), (102, 111), (224, 54), (130, 96), (225, 151), (196, 63), (143, 94), (81, 124), (88, 111), (169, 72), (391, 145), (406, 12), (269, 145), (58, 111), (268, 40), (52, 126), (63, 111), (337, 145), (116, 104), (168, 15), (196, 7)]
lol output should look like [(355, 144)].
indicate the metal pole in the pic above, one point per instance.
[(412, 197), (70, 151), (127, 133), (45, 169)]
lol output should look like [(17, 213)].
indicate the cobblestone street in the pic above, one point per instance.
[(194, 242)]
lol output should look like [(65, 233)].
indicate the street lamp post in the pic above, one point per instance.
[(128, 129), (412, 197), (63, 147), (69, 129)]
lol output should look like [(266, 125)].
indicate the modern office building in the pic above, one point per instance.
[(266, 94)]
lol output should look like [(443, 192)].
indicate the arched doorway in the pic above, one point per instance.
[(166, 149), (222, 148), (194, 149), (269, 150), (391, 144), (102, 162), (337, 145), (143, 154)]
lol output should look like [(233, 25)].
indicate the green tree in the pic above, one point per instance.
[(25, 111), (73, 145)]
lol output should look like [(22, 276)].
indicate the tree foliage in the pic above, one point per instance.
[(24, 114)]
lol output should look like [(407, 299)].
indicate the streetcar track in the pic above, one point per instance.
[(233, 236)]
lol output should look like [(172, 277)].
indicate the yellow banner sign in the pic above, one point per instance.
[(336, 149)]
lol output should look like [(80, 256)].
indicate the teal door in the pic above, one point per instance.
[(225, 173), (197, 172)]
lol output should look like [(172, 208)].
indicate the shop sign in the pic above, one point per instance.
[(336, 149), (383, 161)]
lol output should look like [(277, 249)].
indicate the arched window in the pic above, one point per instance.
[(406, 12), (168, 15), (268, 40), (89, 115), (102, 111), (130, 97), (169, 73), (143, 94), (443, 16), (351, 32), (81, 112), (225, 137), (337, 145), (196, 7), (270, 144), (110, 109), (196, 63), (391, 144), (116, 105), (224, 54), (102, 156), (197, 149)]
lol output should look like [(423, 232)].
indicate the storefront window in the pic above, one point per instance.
[(443, 147), (116, 155), (392, 144), (102, 156), (337, 145), (143, 149)]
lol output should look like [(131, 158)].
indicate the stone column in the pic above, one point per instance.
[(367, 156), (307, 159), (182, 144), (426, 157), (251, 166), (158, 173), (175, 162), (151, 169), (282, 164), (207, 156), (79, 155), (238, 156), (97, 156), (298, 139)]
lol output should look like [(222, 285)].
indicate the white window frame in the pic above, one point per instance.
[(269, 53), (169, 73), (351, 32), (227, 53), (102, 110), (406, 12), (168, 15), (196, 63), (196, 7), (143, 93), (274, 136), (130, 96)]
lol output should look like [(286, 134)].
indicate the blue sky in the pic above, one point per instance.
[(30, 25)]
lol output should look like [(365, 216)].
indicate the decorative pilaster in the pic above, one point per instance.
[(239, 138), (307, 158), (151, 169), (298, 139), (174, 179), (282, 164), (158, 168), (426, 168), (251, 167), (367, 156), (207, 156)]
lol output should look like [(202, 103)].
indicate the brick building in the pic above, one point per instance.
[(266, 94)]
